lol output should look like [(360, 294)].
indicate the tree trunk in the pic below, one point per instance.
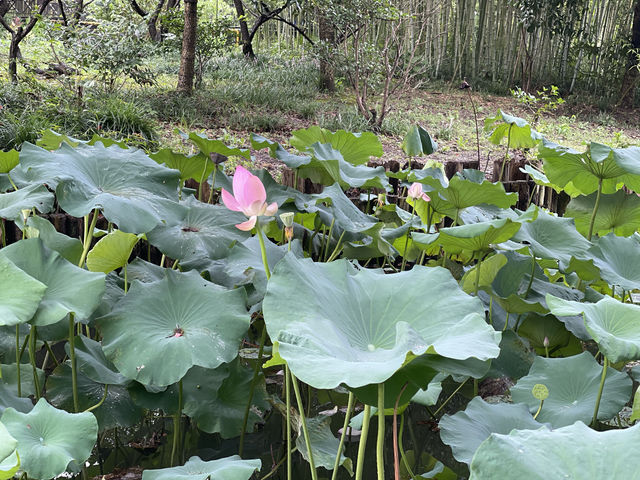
[(14, 52), (245, 37), (327, 34), (152, 23), (188, 53), (630, 80)]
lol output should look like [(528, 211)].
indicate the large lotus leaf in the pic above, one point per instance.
[(619, 212), (324, 444), (117, 410), (91, 361), (52, 140), (69, 289), (210, 146), (131, 189), (159, 330), (463, 193), (216, 399), (573, 384), (9, 461), (111, 252), (195, 228), (618, 259), (572, 452), (514, 130), (8, 160), (477, 237), (32, 196), (10, 378), (615, 326), (49, 439), (189, 166), (20, 294), (356, 148), (580, 172), (466, 430), (228, 468), (553, 237), (515, 358), (68, 247), (339, 326), (9, 399), (418, 142)]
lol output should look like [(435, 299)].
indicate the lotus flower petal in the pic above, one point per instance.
[(248, 225), (271, 210), (230, 201)]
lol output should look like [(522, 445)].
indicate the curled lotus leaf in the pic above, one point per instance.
[(340, 325), (228, 468)]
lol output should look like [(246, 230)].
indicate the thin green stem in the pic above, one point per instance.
[(287, 390), (406, 240), (88, 237), (126, 283), (506, 155), (74, 366), (540, 406), (336, 251), (176, 425), (343, 435), (51, 354), (477, 285), (595, 210), (213, 184), (11, 182), (396, 461), (18, 360), (99, 404), (401, 448), (450, 397), (362, 446), (204, 172), (277, 465), (32, 359), (326, 250), (380, 439), (263, 251), (305, 431), (605, 365)]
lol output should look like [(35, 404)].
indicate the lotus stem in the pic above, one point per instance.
[(336, 251), (176, 424), (477, 285), (380, 439), (287, 390), (202, 177), (305, 431), (362, 446), (506, 155), (32, 359), (277, 466), (401, 448), (326, 250), (126, 283), (88, 236), (99, 404), (540, 406), (18, 360), (343, 436), (396, 461), (595, 210), (450, 397), (263, 251), (406, 241), (74, 366), (11, 182), (605, 365), (213, 184)]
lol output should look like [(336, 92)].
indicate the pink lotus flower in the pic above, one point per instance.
[(250, 198), (415, 192)]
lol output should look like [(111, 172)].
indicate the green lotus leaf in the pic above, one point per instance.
[(69, 289), (209, 146), (10, 399), (189, 166), (91, 361), (574, 452), (337, 326), (618, 259), (324, 444), (635, 410), (328, 166), (429, 396), (573, 384), (10, 378), (553, 237), (618, 212), (67, 247), (489, 268), (418, 142), (31, 196), (466, 430), (216, 399), (515, 130), (131, 189), (538, 328), (477, 237), (111, 252), (9, 160), (9, 461), (196, 228), (20, 295), (117, 409), (356, 148), (49, 439), (159, 330), (277, 151), (52, 140), (8, 343), (612, 324), (515, 358), (228, 468)]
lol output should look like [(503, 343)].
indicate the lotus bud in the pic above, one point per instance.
[(415, 190), (545, 342), (25, 214), (382, 199), (426, 197), (287, 218)]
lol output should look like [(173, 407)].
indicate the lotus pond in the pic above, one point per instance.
[(396, 325)]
